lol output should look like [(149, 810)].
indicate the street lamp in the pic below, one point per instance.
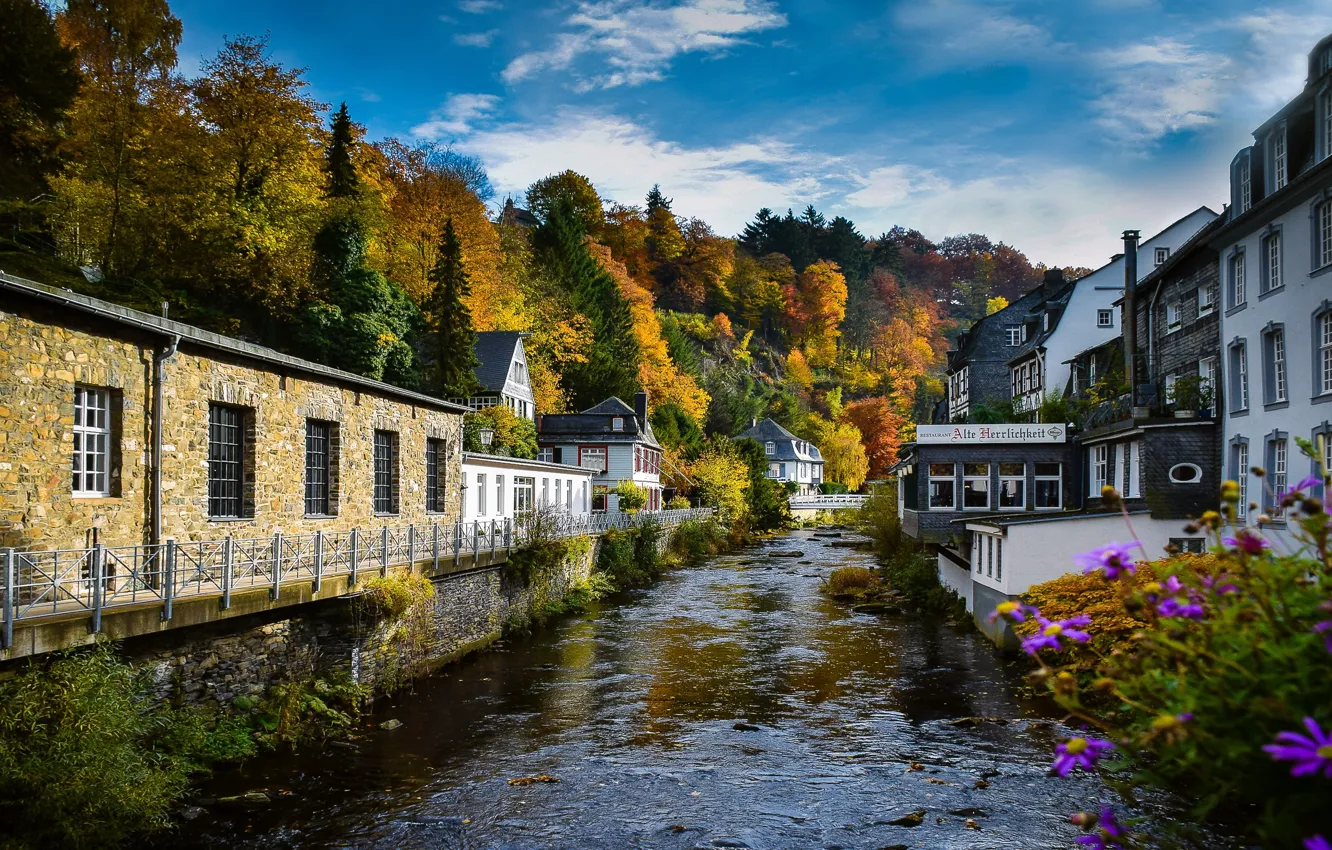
[(487, 436)]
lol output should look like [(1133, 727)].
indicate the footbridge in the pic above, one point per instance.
[(806, 507)]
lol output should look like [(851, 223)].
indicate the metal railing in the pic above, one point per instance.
[(45, 583), (828, 502)]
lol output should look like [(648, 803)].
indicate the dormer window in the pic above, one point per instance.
[(1162, 254), (617, 423), (1045, 322), (1325, 113), (1245, 184), (770, 448), (1280, 172), (1014, 334), (1325, 60)]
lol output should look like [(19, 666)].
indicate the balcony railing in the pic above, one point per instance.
[(57, 582)]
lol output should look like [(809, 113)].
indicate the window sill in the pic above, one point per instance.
[(1052, 508), (392, 515), (231, 519), (1277, 405), (1273, 291), (1204, 312), (1235, 414), (1174, 329), (320, 516), (92, 497), (1237, 308), (1324, 398), (1319, 272), (943, 510)]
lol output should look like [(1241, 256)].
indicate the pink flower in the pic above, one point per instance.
[(1312, 755), (1079, 752), (1247, 542), (1113, 558)]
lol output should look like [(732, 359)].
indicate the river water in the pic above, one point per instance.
[(634, 709)]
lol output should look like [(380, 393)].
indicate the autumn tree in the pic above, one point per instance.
[(38, 81), (798, 371), (451, 340), (880, 428), (721, 481), (844, 458), (759, 289), (126, 51), (815, 309), (573, 189)]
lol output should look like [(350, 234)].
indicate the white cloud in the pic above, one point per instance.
[(479, 7), (1274, 52), (457, 116), (1153, 89), (368, 95), (638, 41), (475, 39), (970, 33), (722, 184)]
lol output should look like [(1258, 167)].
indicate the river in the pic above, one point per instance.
[(729, 705)]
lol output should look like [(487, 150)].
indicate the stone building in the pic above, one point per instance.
[(977, 372), (132, 429)]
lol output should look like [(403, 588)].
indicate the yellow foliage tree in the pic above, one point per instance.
[(798, 371), (817, 310), (844, 457), (721, 479), (995, 304)]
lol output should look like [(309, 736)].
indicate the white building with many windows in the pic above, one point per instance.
[(1276, 281), (791, 460), (615, 442), (501, 488), (501, 373)]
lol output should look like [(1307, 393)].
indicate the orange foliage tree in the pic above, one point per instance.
[(880, 431), (815, 308)]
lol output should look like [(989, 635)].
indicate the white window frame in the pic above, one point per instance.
[(1161, 255), (1105, 318), (1280, 173), (1014, 335), (1059, 485), (586, 453), (1278, 337), (1325, 353), (951, 478), (1133, 489), (499, 495), (617, 423), (1280, 468), (1206, 299), (1272, 262), (1323, 232), (770, 448), (1242, 477), (1099, 464), (1174, 316), (1245, 184), (524, 494), (546, 454), (1020, 479), (1242, 374), (92, 443), (1325, 98), (969, 482), (1238, 293), (480, 494)]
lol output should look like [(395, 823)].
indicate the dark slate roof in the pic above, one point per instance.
[(1194, 243), (768, 431), (1013, 313), (188, 334), (495, 351), (594, 425)]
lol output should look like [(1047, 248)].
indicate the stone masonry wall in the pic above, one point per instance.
[(42, 357)]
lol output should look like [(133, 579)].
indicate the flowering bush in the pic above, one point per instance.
[(1223, 692)]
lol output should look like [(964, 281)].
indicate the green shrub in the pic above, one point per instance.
[(632, 498), (877, 520), (296, 714), (695, 541), (833, 488), (89, 759)]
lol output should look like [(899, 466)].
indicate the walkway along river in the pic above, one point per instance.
[(730, 705)]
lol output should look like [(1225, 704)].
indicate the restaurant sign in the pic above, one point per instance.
[(934, 434)]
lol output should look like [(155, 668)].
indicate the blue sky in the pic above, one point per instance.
[(1049, 125)]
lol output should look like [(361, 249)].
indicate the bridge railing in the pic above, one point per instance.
[(828, 502), (53, 582)]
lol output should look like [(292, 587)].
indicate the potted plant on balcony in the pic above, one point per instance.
[(1191, 394)]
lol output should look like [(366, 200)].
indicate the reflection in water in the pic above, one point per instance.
[(635, 708)]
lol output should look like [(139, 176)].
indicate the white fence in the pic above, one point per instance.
[(827, 503), (43, 583)]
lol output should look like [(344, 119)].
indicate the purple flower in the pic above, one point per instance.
[(1114, 558), (1106, 833), (1311, 755), (1052, 630), (1015, 611), (1247, 542), (1325, 629), (1079, 752), (1309, 482), (1316, 842), (1219, 585), (1175, 608)]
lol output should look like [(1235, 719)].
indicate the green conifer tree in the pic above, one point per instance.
[(342, 179), (452, 341)]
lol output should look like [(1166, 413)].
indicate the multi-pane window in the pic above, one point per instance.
[(770, 448), (92, 442), (1049, 485), (1014, 334), (942, 496), (600, 498), (1162, 254), (1323, 235), (1279, 175), (1012, 486), (1271, 262), (1237, 293), (1100, 467), (1242, 477), (1174, 316), (1105, 318), (1325, 100), (317, 453), (524, 493), (546, 454), (1239, 372), (1325, 353), (989, 555), (1206, 298), (975, 486), (1245, 184), (226, 461), (436, 493), (592, 457), (386, 472), (1276, 351), (1278, 476), (480, 494), (999, 559)]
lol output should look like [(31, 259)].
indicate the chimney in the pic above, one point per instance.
[(1130, 331), (640, 408), (1052, 282), (753, 423)]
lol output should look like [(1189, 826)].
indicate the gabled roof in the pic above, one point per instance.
[(787, 444), (612, 406), (495, 353), (1177, 256)]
